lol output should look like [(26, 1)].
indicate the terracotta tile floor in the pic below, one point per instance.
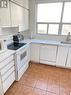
[(42, 80)]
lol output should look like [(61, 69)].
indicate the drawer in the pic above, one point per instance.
[(5, 62), (47, 62), (1, 90), (8, 82), (8, 67), (22, 70), (5, 76)]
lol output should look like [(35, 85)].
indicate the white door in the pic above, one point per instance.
[(48, 52), (69, 59), (61, 56), (35, 52)]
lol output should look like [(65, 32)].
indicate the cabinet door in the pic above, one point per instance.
[(29, 47), (1, 88), (19, 16), (69, 59), (8, 82), (48, 52), (5, 16), (62, 56), (24, 20), (35, 52), (24, 3)]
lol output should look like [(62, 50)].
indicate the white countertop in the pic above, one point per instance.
[(51, 42), (45, 42)]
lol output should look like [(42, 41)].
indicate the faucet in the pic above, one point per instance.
[(68, 37)]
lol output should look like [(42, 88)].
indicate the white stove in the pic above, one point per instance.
[(21, 57)]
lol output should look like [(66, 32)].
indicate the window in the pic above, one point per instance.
[(42, 28), (54, 18), (67, 13), (49, 12), (66, 29), (53, 29)]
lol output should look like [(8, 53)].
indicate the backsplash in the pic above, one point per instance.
[(9, 30), (6, 33)]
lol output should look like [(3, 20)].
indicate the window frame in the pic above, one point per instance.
[(60, 23)]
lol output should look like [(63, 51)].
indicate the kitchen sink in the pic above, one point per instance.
[(65, 42)]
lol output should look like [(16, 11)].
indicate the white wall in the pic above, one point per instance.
[(33, 21)]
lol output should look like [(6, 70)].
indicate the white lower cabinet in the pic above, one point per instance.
[(28, 53), (7, 70), (48, 54), (68, 65), (1, 87), (62, 56), (57, 55), (8, 82), (35, 49)]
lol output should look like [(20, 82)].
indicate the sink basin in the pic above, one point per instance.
[(65, 42)]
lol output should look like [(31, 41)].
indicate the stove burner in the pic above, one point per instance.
[(15, 46)]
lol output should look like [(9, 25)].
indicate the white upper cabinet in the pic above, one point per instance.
[(19, 17), (62, 56), (35, 52), (69, 59), (5, 16), (24, 3), (48, 54)]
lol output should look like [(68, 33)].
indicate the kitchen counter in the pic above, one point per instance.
[(45, 42), (7, 53), (51, 42)]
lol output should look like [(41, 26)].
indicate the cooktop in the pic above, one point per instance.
[(15, 46)]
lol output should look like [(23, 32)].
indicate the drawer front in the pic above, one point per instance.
[(22, 70), (5, 76), (5, 62), (7, 68), (47, 62), (1, 89), (8, 82), (48, 52)]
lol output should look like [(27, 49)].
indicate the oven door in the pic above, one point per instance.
[(21, 58)]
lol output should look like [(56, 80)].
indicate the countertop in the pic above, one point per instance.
[(49, 42), (7, 53)]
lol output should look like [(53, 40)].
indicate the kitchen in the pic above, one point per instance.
[(35, 47)]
